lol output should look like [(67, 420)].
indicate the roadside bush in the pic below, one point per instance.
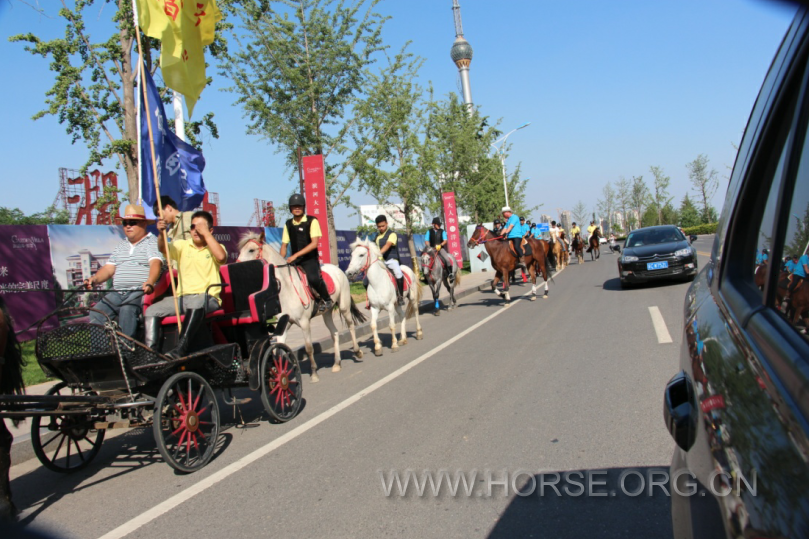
[(709, 228)]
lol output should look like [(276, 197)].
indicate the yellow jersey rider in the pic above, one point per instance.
[(302, 233), (573, 231), (386, 241)]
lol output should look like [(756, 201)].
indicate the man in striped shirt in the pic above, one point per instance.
[(135, 266)]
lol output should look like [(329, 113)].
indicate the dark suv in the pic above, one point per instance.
[(739, 408)]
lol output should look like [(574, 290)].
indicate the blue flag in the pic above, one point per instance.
[(179, 165)]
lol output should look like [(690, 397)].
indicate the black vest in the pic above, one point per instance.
[(299, 237), (436, 237), (393, 252)]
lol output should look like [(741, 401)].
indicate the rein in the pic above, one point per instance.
[(301, 276), (480, 241)]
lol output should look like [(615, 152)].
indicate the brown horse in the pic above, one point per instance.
[(503, 259), (11, 383), (557, 253), (540, 249), (595, 246), (798, 301), (578, 247), (565, 249)]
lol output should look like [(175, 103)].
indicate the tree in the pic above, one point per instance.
[(800, 238), (660, 195), (705, 184), (639, 198), (689, 215), (51, 216), (394, 127), (94, 91), (456, 154), (622, 199), (580, 212), (607, 204), (301, 76)]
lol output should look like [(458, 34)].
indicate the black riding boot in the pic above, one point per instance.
[(400, 290), (152, 333), (193, 320)]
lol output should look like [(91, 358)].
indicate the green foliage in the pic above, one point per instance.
[(110, 198), (660, 198), (707, 228), (606, 204), (689, 215), (51, 216), (93, 94), (639, 198), (579, 213), (32, 373)]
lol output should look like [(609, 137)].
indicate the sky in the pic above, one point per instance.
[(610, 89)]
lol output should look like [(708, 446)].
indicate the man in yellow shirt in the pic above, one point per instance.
[(591, 229), (573, 231), (386, 240), (198, 261), (302, 233)]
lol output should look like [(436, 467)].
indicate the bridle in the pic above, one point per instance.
[(260, 247), (481, 239)]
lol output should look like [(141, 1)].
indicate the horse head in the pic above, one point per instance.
[(363, 254), (480, 234)]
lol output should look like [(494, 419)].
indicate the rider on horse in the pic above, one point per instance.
[(573, 231), (513, 232), (798, 275), (386, 241), (437, 239), (591, 229), (497, 226), (302, 233)]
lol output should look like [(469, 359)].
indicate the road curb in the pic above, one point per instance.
[(326, 344)]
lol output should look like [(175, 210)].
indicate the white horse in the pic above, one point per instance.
[(298, 304), (366, 258)]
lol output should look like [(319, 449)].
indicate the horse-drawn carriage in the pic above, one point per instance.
[(109, 380)]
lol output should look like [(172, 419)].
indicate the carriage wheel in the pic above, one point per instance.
[(186, 422), (68, 444), (281, 386)]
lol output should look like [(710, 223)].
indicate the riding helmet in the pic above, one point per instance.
[(297, 200), (437, 221)]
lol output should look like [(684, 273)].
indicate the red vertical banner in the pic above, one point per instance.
[(452, 227), (314, 179)]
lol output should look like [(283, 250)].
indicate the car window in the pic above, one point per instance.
[(766, 229), (791, 298)]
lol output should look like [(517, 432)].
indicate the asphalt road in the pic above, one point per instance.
[(572, 383)]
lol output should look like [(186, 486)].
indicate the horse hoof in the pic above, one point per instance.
[(378, 353), (314, 378), (533, 298), (419, 336), (394, 350), (336, 368), (436, 313), (358, 354), (403, 342)]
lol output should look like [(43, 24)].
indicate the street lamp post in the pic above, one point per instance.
[(502, 151)]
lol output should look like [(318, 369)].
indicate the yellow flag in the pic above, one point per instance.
[(184, 27)]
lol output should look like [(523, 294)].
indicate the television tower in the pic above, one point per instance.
[(461, 54)]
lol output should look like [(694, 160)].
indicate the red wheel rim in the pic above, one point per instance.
[(281, 381)]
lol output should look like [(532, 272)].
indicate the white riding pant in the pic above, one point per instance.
[(393, 264)]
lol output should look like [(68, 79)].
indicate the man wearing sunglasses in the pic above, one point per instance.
[(198, 262), (135, 266)]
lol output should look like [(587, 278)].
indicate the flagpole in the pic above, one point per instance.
[(154, 166), (179, 120)]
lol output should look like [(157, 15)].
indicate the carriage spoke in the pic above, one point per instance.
[(78, 449), (179, 446), (55, 436), (59, 448), (67, 462)]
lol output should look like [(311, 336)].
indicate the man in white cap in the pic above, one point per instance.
[(513, 233), (135, 266)]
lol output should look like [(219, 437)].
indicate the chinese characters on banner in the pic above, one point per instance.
[(315, 187), (451, 226), (83, 204)]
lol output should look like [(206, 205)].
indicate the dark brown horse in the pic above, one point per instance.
[(540, 250), (11, 383), (798, 301), (578, 247), (595, 246), (503, 259)]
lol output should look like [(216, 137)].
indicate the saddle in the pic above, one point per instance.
[(309, 290), (524, 244)]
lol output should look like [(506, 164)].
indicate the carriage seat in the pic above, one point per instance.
[(248, 295)]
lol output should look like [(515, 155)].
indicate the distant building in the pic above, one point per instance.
[(82, 265), (544, 218), (618, 220), (566, 219)]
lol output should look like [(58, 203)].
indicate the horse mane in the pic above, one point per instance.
[(11, 381), (275, 256), (366, 243), (248, 236)]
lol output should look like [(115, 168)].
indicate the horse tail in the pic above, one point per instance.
[(458, 275), (11, 380), (413, 305), (356, 314)]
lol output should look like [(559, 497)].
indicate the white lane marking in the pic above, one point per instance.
[(169, 504), (659, 324)]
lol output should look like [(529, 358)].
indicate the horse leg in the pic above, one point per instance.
[(403, 331), (497, 277), (419, 333), (436, 288), (506, 295), (7, 509), (335, 336), (377, 342), (392, 307), (310, 350), (533, 272)]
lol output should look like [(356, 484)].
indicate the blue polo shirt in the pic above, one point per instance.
[(799, 271), (791, 265), (526, 228), (516, 229)]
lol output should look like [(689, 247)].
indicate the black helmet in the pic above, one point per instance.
[(437, 221), (497, 222), (297, 200)]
